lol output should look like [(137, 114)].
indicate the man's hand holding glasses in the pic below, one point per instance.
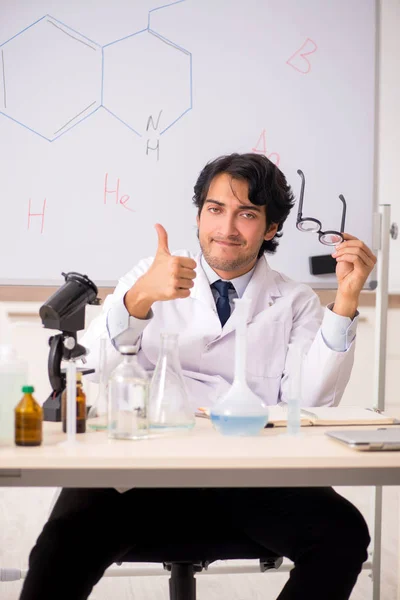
[(354, 260), (354, 263)]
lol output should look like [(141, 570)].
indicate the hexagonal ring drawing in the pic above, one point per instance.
[(147, 76), (50, 78)]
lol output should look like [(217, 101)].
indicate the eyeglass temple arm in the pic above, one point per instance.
[(303, 182), (343, 213)]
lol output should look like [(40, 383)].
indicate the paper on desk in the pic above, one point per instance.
[(323, 416), (346, 415)]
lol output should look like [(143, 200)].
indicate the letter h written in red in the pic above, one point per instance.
[(39, 214)]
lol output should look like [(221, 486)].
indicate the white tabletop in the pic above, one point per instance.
[(200, 458)]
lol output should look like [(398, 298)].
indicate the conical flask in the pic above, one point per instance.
[(240, 411), (169, 407)]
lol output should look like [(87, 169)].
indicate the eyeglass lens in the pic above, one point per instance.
[(308, 225), (331, 238)]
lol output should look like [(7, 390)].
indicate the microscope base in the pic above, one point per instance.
[(52, 407)]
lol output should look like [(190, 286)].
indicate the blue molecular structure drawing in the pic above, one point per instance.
[(53, 77)]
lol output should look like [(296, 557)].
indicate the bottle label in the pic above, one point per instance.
[(28, 428)]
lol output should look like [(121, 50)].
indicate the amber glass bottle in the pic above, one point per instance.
[(28, 420), (80, 407)]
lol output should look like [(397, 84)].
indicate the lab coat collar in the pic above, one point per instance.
[(201, 289)]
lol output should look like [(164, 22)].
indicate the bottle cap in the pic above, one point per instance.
[(28, 389)]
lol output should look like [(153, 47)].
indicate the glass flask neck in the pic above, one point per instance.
[(169, 344), (129, 359), (242, 307), (240, 356)]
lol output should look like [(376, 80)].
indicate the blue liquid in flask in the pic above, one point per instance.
[(238, 425)]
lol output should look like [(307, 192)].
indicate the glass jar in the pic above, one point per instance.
[(98, 412), (127, 398)]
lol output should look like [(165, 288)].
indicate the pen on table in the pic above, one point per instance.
[(307, 413)]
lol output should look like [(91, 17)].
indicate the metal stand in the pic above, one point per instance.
[(382, 307), (377, 540), (386, 231)]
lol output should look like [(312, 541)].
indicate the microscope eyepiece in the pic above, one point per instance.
[(65, 309)]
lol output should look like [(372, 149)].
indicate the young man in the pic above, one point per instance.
[(242, 201)]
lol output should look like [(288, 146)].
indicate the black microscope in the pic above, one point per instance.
[(65, 311)]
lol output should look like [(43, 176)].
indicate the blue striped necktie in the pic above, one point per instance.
[(223, 306)]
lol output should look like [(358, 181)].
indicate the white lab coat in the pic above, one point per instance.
[(284, 315)]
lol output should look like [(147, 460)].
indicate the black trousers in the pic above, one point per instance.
[(89, 529)]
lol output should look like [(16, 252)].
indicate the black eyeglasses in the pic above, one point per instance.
[(311, 225)]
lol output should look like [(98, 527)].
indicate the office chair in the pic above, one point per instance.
[(184, 558)]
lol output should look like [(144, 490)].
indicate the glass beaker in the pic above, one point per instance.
[(169, 407), (99, 406), (240, 411), (128, 396)]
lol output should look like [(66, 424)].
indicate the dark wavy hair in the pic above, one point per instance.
[(267, 187)]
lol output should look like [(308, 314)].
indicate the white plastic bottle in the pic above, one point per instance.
[(13, 375)]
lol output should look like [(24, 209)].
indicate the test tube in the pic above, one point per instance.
[(71, 402), (295, 390)]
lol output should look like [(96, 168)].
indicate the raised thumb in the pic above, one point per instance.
[(162, 239)]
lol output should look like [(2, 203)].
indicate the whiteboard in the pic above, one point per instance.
[(109, 110)]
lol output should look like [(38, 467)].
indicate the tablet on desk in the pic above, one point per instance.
[(376, 439)]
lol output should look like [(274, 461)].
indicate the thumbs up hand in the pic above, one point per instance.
[(168, 278), (162, 240)]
